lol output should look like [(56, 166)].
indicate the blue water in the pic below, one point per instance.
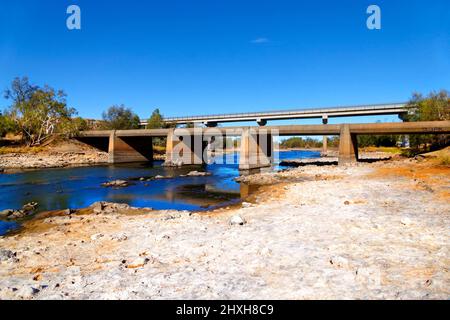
[(79, 187)]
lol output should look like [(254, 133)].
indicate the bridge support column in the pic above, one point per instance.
[(348, 146), (325, 138), (129, 149), (256, 150), (184, 148), (325, 146)]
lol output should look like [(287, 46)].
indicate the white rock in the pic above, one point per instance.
[(246, 205), (96, 236), (406, 221), (265, 252), (26, 292), (339, 262), (237, 220)]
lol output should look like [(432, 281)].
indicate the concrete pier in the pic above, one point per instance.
[(348, 146), (186, 146), (256, 149)]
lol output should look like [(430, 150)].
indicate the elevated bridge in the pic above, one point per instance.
[(262, 117)]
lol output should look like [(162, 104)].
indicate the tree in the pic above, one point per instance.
[(71, 127), (37, 112), (120, 118), (434, 107), (156, 120), (6, 124)]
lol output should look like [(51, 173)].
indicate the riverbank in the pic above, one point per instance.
[(370, 231), (57, 154)]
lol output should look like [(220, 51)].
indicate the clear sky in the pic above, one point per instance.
[(211, 56)]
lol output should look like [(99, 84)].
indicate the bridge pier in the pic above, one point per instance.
[(129, 149), (325, 138), (348, 146), (183, 148), (256, 150)]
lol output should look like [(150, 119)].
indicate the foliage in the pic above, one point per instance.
[(156, 120), (6, 125), (378, 140), (333, 141), (37, 112), (298, 142), (434, 107), (71, 127), (120, 118)]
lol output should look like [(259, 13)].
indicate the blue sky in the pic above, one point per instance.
[(201, 57)]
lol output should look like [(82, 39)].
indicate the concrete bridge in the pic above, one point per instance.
[(262, 117), (187, 146)]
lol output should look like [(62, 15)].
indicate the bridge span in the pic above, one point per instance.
[(262, 117), (186, 146)]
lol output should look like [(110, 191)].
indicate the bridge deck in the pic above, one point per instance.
[(290, 130)]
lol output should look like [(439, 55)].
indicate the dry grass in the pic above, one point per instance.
[(392, 150), (21, 149), (159, 150), (444, 159)]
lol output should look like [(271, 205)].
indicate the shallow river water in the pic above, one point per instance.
[(79, 187)]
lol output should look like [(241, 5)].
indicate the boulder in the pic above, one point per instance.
[(116, 184), (69, 211), (18, 214), (108, 207), (246, 204), (137, 263), (175, 163), (8, 255), (339, 262), (6, 213), (97, 236), (31, 206), (406, 221), (198, 174), (237, 220)]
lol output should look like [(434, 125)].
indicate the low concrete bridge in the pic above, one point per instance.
[(187, 145), (262, 117)]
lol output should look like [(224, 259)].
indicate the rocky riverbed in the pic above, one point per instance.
[(60, 153), (369, 231)]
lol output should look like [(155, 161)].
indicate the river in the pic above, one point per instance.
[(78, 187)]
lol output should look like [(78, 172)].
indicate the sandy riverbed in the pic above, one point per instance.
[(371, 231)]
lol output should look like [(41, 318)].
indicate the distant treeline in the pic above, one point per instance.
[(307, 143)]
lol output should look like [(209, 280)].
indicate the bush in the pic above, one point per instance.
[(120, 118)]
